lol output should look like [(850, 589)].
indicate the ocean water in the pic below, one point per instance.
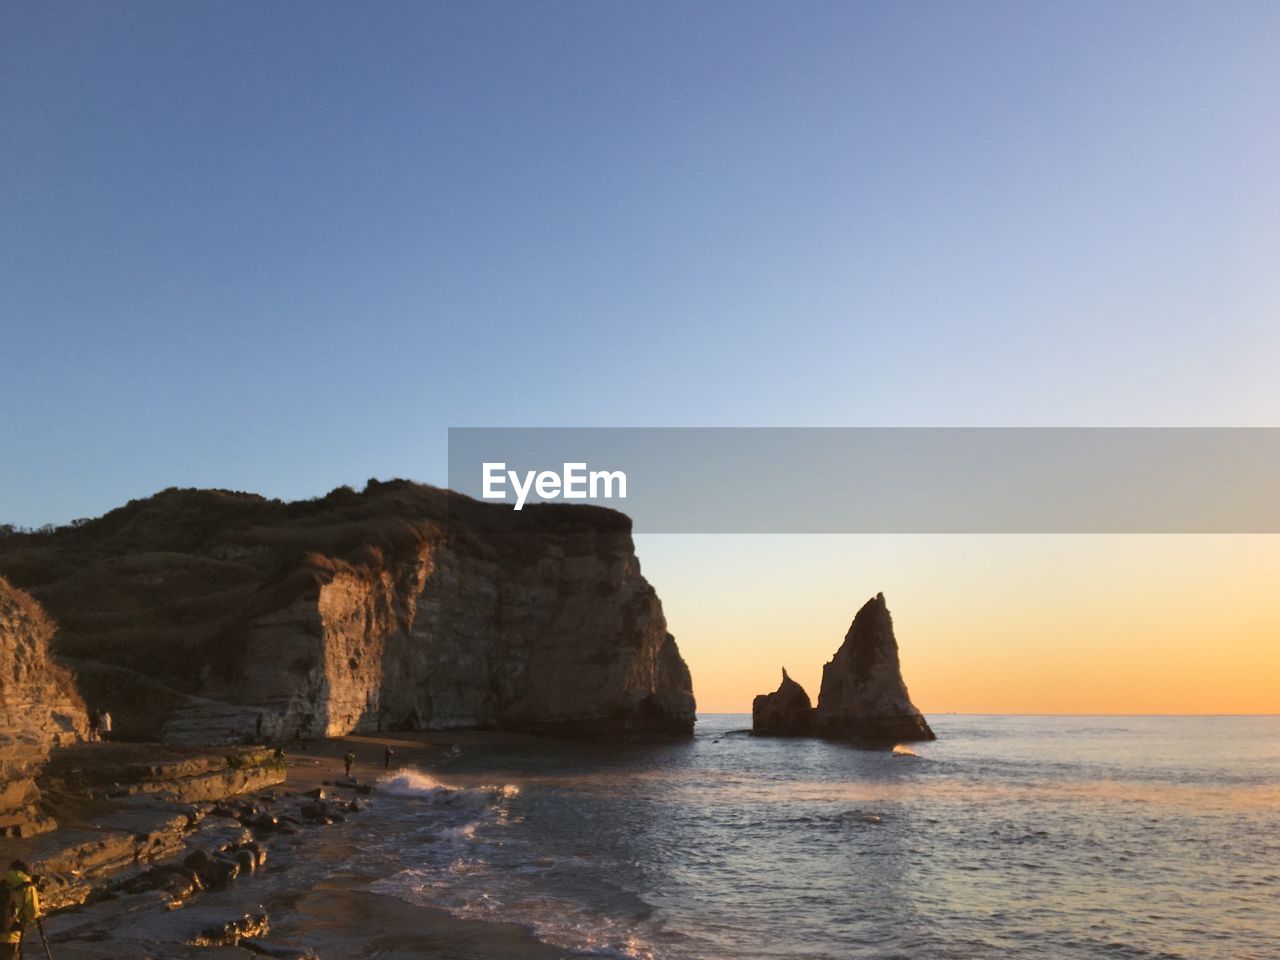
[(1010, 837)]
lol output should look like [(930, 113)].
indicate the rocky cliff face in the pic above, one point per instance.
[(863, 697), (787, 712), (401, 607), (39, 709)]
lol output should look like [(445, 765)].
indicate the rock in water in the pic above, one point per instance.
[(787, 712), (863, 696)]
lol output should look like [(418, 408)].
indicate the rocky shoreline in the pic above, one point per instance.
[(217, 621), (120, 817), (154, 864)]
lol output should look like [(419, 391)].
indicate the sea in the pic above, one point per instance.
[(1009, 837)]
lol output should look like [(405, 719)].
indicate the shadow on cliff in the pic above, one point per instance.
[(212, 615)]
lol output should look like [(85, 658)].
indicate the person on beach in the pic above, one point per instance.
[(348, 760), (387, 754), (19, 906), (95, 719), (104, 726)]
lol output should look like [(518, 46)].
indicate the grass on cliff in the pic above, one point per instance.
[(167, 587), (27, 634)]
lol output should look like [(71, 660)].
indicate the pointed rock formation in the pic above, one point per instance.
[(863, 696), (787, 712)]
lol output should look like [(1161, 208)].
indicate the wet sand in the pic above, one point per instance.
[(340, 921), (340, 918)]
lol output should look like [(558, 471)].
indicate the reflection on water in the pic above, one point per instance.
[(1008, 837)]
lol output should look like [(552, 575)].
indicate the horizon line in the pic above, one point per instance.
[(953, 713)]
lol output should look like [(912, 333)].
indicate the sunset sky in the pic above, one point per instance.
[(282, 247), (999, 624)]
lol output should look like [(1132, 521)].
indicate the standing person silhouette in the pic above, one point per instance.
[(347, 761), (19, 906)]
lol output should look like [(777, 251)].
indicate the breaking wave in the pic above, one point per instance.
[(747, 849), (413, 783)]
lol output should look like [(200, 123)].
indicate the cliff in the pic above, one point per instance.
[(39, 709), (206, 615), (863, 697)]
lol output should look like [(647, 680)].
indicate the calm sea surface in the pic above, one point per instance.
[(1010, 837)]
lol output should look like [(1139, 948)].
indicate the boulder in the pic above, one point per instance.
[(312, 811), (220, 871), (258, 850), (229, 933)]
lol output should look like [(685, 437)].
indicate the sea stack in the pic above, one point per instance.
[(863, 696), (787, 712)]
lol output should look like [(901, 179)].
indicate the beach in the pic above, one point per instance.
[(1009, 837)]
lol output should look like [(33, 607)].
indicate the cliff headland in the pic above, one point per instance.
[(207, 616)]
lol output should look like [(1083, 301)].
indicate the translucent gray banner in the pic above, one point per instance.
[(887, 480)]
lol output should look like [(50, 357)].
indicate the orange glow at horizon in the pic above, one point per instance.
[(986, 624)]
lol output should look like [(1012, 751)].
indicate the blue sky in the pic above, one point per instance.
[(284, 246)]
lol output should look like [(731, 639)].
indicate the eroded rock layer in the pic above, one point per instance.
[(39, 709), (202, 615)]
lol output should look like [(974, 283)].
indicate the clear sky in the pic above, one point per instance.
[(284, 246)]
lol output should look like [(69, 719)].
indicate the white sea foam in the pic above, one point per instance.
[(466, 869), (411, 782)]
